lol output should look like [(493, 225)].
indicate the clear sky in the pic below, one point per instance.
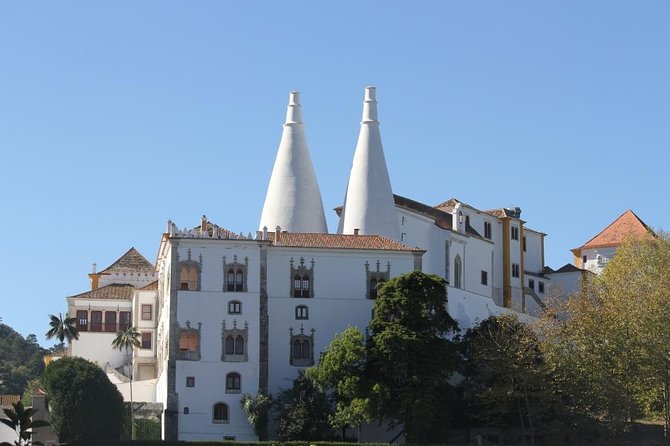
[(117, 116)]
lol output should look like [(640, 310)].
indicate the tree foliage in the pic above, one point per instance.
[(21, 360), (62, 328), (412, 356), (340, 373), (609, 343), (257, 409), (303, 412), (84, 405), (19, 419)]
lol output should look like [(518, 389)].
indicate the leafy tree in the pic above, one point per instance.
[(412, 356), (84, 405), (127, 340), (506, 382), (340, 372), (19, 419), (32, 386), (303, 412), (609, 344), (20, 360), (62, 328), (257, 409)]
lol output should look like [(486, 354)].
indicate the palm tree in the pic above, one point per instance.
[(19, 419), (62, 328), (126, 340)]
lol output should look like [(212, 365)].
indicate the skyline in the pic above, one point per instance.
[(116, 118)]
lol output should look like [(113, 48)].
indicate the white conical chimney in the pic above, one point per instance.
[(369, 205), (293, 200)]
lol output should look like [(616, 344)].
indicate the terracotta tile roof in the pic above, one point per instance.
[(114, 291), (150, 286), (131, 260), (442, 219), (338, 241), (8, 400), (627, 225)]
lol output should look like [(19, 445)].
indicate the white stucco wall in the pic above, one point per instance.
[(97, 348)]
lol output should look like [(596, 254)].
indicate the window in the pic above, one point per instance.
[(515, 270), (235, 275), (458, 272), (82, 320), (376, 279), (186, 411), (233, 383), (302, 282), (234, 307), (234, 343), (110, 321), (96, 320), (190, 381), (220, 413), (531, 284), (487, 230), (301, 312), (146, 341), (524, 244), (515, 233), (302, 349), (583, 260), (485, 278), (124, 320), (146, 312), (189, 343), (189, 274), (540, 287)]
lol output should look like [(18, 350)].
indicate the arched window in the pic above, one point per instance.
[(185, 410), (305, 286), (239, 281), (297, 349), (230, 345), (305, 350), (302, 348), (233, 382), (458, 272), (231, 280), (375, 278), (373, 288), (220, 413), (297, 286), (239, 345)]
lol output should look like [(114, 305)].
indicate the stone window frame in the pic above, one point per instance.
[(379, 277), (190, 264), (236, 268), (222, 417), (189, 355), (236, 386), (302, 312), (234, 307), (299, 358), (303, 274), (190, 381), (234, 333)]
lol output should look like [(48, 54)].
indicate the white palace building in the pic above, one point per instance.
[(222, 314)]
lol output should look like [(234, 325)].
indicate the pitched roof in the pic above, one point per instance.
[(442, 219), (121, 291), (131, 260), (338, 241), (150, 286), (567, 268), (627, 225), (8, 400)]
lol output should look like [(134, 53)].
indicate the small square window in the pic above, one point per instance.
[(146, 312), (190, 381), (301, 312), (146, 341), (234, 307), (485, 278)]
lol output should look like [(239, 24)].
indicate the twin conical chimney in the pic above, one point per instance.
[(293, 201), (369, 206)]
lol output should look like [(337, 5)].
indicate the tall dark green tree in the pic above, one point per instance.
[(84, 405), (412, 356), (62, 328)]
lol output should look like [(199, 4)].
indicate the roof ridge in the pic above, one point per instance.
[(608, 227), (131, 259)]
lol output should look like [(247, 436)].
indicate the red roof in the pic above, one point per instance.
[(342, 241), (121, 291), (131, 260), (627, 225)]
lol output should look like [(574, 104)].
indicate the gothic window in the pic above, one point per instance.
[(301, 312), (234, 342), (302, 348), (220, 413), (235, 275), (189, 274), (302, 279), (189, 343), (234, 307), (458, 272), (233, 383), (375, 279)]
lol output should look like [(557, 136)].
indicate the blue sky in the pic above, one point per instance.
[(116, 116)]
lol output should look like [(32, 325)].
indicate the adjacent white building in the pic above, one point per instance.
[(223, 314)]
